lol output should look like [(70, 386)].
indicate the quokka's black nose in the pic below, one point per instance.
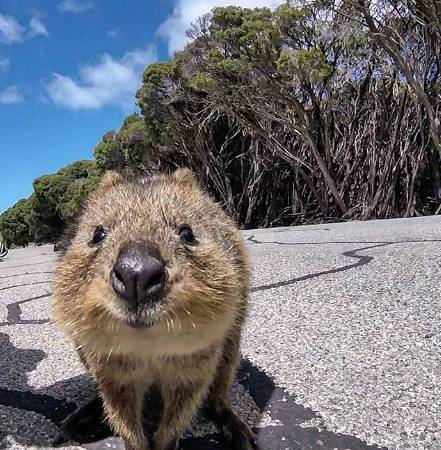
[(139, 274)]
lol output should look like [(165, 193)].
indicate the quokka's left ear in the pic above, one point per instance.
[(109, 179), (185, 176)]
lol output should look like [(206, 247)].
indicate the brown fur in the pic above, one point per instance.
[(191, 351)]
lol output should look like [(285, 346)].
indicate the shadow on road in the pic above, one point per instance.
[(290, 429)]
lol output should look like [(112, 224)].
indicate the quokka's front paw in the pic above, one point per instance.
[(239, 436), (165, 444), (140, 445), (89, 415)]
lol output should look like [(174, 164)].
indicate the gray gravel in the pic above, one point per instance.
[(341, 350)]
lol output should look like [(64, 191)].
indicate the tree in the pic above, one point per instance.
[(56, 200), (15, 221), (304, 86)]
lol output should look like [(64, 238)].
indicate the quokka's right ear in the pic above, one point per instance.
[(185, 176), (109, 179)]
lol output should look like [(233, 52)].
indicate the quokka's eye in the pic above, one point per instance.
[(187, 236), (98, 235)]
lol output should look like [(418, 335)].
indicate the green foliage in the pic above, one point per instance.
[(155, 75), (156, 72), (108, 152), (15, 223), (127, 149), (234, 65), (214, 55), (226, 22), (245, 35), (289, 18), (202, 81), (312, 62), (309, 64), (58, 197), (56, 200)]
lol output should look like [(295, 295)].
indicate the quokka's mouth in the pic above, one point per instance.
[(140, 324), (144, 318)]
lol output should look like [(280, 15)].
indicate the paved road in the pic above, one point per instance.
[(342, 348)]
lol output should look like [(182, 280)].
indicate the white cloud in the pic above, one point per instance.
[(10, 30), (110, 82), (4, 63), (37, 28), (75, 6), (11, 95), (187, 12)]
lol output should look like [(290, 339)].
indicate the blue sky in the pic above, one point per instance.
[(69, 70)]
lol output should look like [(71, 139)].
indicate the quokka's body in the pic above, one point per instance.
[(153, 290)]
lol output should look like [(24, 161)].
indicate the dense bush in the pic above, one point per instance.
[(297, 115), (15, 223), (56, 200)]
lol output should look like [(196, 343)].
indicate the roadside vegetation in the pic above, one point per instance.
[(322, 112)]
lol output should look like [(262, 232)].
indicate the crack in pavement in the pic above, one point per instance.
[(31, 264), (25, 284), (290, 230), (362, 261), (253, 240), (25, 273), (30, 257)]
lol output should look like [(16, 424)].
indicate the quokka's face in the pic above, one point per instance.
[(153, 253)]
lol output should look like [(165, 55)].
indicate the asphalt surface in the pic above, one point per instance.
[(342, 349)]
